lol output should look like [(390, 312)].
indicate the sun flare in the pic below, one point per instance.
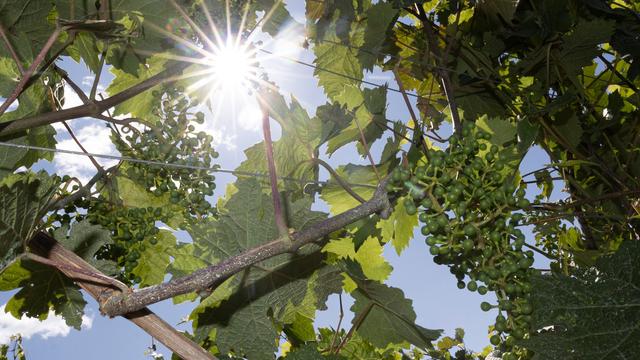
[(228, 77), (232, 65)]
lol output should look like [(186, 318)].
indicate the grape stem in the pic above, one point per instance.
[(281, 223)]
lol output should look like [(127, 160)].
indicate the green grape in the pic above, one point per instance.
[(485, 306), (495, 340), (472, 286), (482, 240)]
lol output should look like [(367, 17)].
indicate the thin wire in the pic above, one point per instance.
[(300, 62), (171, 165)]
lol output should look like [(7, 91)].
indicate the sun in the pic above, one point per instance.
[(228, 79), (233, 66)]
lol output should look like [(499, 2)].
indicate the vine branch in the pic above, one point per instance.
[(93, 109), (32, 68), (116, 303), (12, 51), (47, 247)]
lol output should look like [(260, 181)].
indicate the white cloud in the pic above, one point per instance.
[(222, 138), (95, 139), (28, 327), (87, 82), (71, 99)]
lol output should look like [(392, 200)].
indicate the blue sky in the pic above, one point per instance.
[(437, 300)]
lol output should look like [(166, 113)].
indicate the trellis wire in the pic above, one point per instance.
[(169, 165)]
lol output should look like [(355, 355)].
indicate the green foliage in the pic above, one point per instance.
[(246, 314), (383, 316), (85, 240), (558, 76), (14, 348), (24, 200), (590, 315), (41, 289)]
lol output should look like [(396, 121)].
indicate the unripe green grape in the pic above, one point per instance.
[(485, 306), (467, 245), (472, 286), (495, 340)]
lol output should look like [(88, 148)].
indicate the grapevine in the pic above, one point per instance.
[(470, 208), (174, 140)]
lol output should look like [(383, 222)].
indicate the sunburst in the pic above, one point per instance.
[(228, 74)]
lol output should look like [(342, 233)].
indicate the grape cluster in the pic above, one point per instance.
[(132, 229), (174, 140), (470, 208)]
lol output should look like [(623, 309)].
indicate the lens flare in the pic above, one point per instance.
[(233, 66)]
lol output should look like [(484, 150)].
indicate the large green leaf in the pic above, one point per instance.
[(296, 147), (338, 199), (368, 119), (84, 47), (25, 19), (379, 18), (338, 69), (85, 239), (24, 202), (384, 316), (245, 315), (398, 227), (42, 289), (369, 256), (141, 105), (591, 315), (581, 46)]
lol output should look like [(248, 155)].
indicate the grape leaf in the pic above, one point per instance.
[(42, 289), (84, 47), (185, 261), (592, 314), (24, 200), (369, 256), (338, 199), (368, 117), (338, 70), (580, 47), (297, 145), (379, 18), (85, 239), (384, 315), (310, 352), (398, 228), (242, 317), (155, 258), (501, 131), (9, 76), (25, 19), (141, 105), (373, 264)]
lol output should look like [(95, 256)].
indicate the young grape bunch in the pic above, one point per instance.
[(176, 193), (470, 206)]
